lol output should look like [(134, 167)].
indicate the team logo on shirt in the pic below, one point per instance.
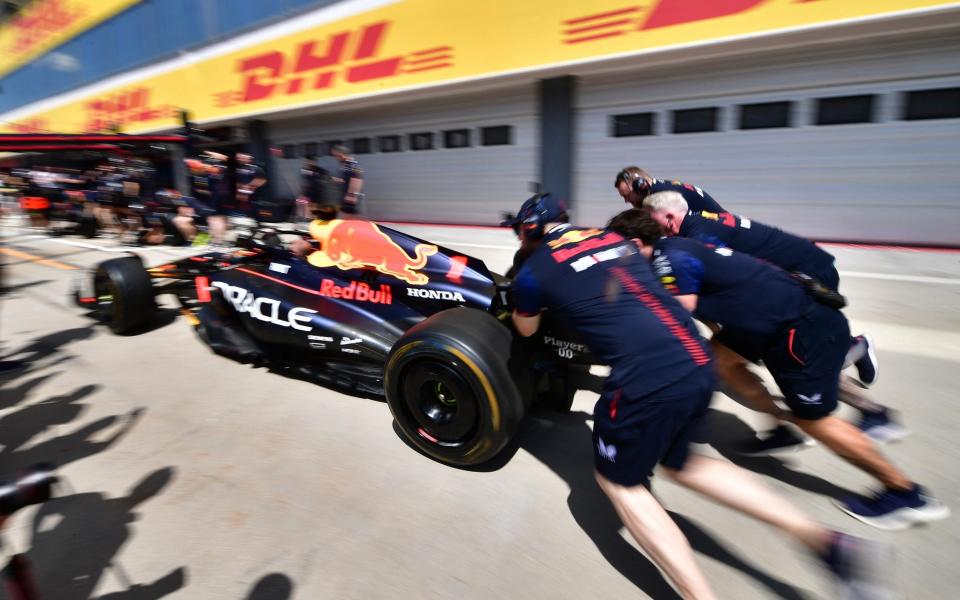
[(573, 237), (609, 452)]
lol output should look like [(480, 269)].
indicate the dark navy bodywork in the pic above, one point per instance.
[(284, 309)]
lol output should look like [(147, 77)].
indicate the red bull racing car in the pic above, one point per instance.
[(368, 308)]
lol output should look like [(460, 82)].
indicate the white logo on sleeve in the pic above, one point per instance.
[(608, 452), (814, 399)]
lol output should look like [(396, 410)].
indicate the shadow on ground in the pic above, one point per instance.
[(275, 586), (75, 540)]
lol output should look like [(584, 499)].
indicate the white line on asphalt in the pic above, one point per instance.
[(907, 278)]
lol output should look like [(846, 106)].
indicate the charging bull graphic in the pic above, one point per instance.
[(356, 244)]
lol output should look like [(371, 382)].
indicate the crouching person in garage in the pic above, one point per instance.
[(765, 314), (655, 400)]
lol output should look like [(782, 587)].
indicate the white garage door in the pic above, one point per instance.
[(479, 154), (850, 148)]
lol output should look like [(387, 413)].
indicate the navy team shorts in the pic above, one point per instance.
[(632, 435), (806, 361)]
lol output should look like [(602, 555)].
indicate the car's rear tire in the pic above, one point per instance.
[(450, 389), (124, 293)]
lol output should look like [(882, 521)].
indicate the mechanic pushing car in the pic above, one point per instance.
[(802, 341), (634, 185), (655, 400), (796, 255), (638, 188)]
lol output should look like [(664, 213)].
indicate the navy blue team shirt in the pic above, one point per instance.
[(785, 250), (735, 290), (248, 172), (599, 284), (697, 199)]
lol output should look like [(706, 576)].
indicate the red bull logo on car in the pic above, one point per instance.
[(358, 291), (356, 244)]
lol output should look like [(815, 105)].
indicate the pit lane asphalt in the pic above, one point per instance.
[(192, 476)]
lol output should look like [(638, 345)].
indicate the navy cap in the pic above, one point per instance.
[(544, 208)]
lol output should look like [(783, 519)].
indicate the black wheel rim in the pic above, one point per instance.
[(441, 403)]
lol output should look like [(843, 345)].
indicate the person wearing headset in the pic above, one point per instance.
[(634, 184), (655, 400)]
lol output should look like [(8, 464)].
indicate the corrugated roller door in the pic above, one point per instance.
[(472, 183), (889, 179)]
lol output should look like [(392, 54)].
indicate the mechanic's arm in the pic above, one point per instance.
[(526, 296), (680, 274), (688, 301), (526, 325)]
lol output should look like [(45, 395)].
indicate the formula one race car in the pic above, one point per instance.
[(367, 307)]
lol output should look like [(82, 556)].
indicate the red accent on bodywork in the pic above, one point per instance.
[(457, 266), (203, 289)]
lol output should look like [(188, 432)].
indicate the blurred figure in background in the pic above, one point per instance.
[(312, 183), (350, 180), (250, 177)]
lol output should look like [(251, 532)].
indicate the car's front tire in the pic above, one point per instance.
[(449, 387), (124, 294)]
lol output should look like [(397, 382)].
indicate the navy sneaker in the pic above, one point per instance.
[(882, 427), (868, 368), (863, 568), (895, 510), (781, 440)]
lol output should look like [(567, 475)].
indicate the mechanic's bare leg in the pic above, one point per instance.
[(218, 228), (658, 535), (741, 384), (853, 394), (735, 487), (850, 444)]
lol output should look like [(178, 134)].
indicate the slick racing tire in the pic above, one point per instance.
[(449, 387), (124, 293)]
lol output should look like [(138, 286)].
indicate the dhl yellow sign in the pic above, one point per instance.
[(45, 24), (416, 43)]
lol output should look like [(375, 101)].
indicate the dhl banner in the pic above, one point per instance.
[(45, 24), (413, 43)]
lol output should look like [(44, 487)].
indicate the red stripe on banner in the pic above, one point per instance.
[(590, 38), (437, 66), (432, 50), (612, 13), (429, 59), (597, 26)]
